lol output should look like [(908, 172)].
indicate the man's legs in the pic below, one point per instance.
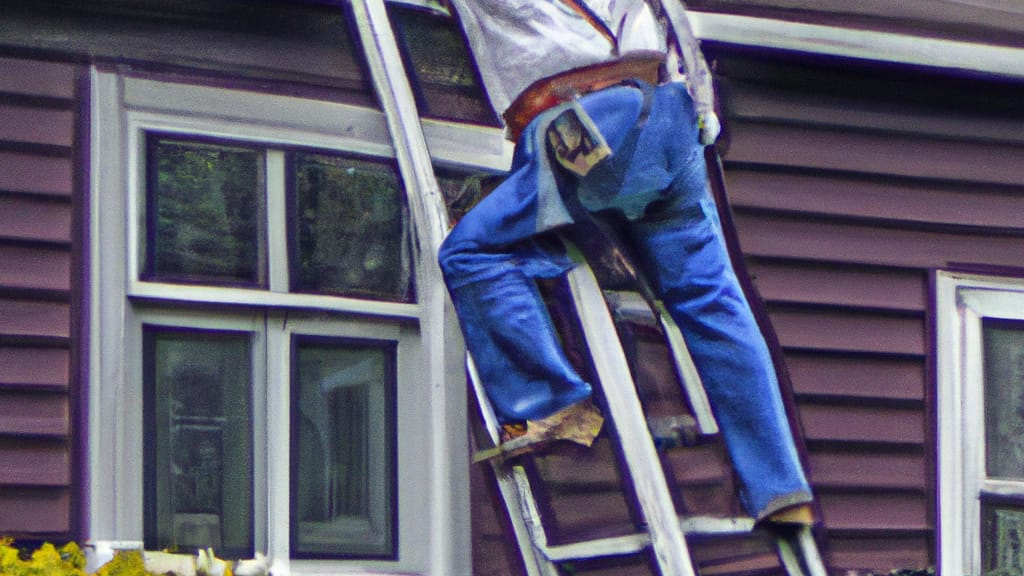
[(489, 262), (685, 258)]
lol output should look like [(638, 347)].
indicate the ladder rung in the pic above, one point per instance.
[(614, 546), (712, 525), (631, 543)]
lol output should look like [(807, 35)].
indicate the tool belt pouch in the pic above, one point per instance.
[(575, 140)]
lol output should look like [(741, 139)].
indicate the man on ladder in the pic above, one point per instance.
[(590, 91)]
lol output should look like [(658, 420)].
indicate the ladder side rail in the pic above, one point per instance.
[(514, 486), (633, 305), (687, 371), (809, 550), (799, 553), (789, 558), (667, 539)]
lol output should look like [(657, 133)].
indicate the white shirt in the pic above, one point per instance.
[(517, 42)]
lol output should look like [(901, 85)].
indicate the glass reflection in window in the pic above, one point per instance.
[(204, 209), (351, 229), (1004, 398), (198, 462), (343, 448)]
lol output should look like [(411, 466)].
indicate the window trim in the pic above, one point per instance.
[(962, 301), (132, 455), (139, 123), (382, 443), (433, 441)]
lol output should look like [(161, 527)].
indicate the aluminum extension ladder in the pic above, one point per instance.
[(666, 532)]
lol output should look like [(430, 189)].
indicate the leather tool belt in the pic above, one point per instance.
[(551, 91)]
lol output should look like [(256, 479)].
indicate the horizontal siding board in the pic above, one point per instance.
[(778, 236), (857, 377), (35, 267), (731, 554), (875, 511), (25, 512), (47, 126), (766, 562), (752, 103), (704, 464), (308, 49), (27, 173), (576, 516), (886, 200), (568, 466), (848, 286), (845, 331), (26, 413), (862, 424), (875, 153), (26, 366), (32, 219), (629, 565), (865, 556), (36, 78), (34, 319), (878, 469), (34, 463)]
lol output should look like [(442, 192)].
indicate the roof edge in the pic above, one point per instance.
[(970, 57)]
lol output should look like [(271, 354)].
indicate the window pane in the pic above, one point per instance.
[(1002, 546), (438, 61), (1004, 398), (199, 471), (204, 210), (343, 449), (352, 229)]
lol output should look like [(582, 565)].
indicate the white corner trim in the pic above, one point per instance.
[(864, 44)]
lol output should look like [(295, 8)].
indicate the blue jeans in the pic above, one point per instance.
[(656, 177)]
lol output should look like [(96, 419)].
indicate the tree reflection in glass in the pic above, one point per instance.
[(351, 231), (204, 212)]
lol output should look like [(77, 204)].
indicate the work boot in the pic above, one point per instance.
[(579, 423)]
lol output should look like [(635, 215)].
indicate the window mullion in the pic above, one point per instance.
[(278, 394), (260, 434), (277, 221)]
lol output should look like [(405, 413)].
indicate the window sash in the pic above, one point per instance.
[(433, 528), (144, 126), (272, 336), (198, 465), (367, 464)]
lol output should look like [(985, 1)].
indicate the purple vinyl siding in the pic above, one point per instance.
[(846, 194), (38, 388)]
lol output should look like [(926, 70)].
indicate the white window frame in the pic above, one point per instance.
[(962, 302), (433, 484)]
